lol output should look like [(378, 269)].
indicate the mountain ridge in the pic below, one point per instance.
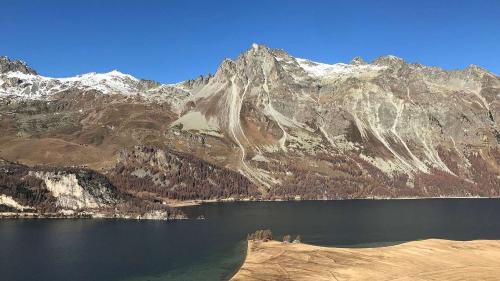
[(5, 61), (292, 127)]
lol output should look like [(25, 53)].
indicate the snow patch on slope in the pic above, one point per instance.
[(317, 69), (110, 82)]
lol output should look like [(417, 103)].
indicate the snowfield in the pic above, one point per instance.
[(317, 69)]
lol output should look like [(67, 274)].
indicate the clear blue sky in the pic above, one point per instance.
[(175, 40)]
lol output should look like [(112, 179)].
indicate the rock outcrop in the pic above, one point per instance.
[(8, 65), (69, 192)]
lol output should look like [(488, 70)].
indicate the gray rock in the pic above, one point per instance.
[(8, 65)]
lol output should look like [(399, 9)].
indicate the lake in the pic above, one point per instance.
[(213, 249)]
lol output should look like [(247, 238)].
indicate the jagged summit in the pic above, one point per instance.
[(388, 60), (267, 101), (357, 61), (260, 51), (479, 70), (256, 46), (261, 54), (8, 65), (281, 63)]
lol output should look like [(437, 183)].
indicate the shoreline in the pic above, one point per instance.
[(86, 215), (430, 259), (190, 203)]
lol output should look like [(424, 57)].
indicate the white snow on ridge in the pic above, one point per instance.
[(110, 82), (317, 69), (30, 85), (93, 77)]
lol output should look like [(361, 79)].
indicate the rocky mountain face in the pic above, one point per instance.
[(266, 125), (44, 191), (388, 128), (7, 65)]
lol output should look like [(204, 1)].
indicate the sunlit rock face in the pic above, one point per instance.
[(70, 192), (400, 118), (75, 191), (8, 65), (294, 127)]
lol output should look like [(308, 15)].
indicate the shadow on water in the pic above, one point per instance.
[(213, 249)]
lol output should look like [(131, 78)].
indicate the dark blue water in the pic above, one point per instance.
[(213, 249)]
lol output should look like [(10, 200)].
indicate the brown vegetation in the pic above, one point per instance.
[(165, 173), (17, 181), (261, 235), (351, 176), (287, 239), (27, 190)]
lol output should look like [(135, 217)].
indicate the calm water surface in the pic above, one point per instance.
[(213, 249)]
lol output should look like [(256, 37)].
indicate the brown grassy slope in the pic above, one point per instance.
[(419, 260), (84, 129)]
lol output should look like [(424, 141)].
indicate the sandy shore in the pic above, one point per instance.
[(418, 260)]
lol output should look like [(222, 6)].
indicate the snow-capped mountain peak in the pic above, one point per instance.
[(30, 85), (321, 70)]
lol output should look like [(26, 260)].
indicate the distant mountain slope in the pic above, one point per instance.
[(291, 126)]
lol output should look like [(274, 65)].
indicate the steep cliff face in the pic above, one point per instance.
[(8, 65), (291, 126), (80, 190), (403, 119), (69, 192)]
